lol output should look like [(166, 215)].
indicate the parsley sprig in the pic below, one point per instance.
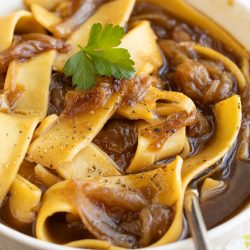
[(100, 58)]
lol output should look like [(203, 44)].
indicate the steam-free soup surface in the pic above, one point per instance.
[(118, 138)]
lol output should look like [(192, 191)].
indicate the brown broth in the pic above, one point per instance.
[(122, 146), (118, 138), (64, 232), (59, 86), (227, 204), (26, 170), (2, 79), (7, 219), (167, 29)]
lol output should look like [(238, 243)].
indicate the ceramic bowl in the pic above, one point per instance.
[(232, 235)]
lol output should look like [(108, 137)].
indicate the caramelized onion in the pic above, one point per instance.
[(59, 86), (26, 46), (157, 18), (97, 221), (205, 81), (244, 147), (134, 90), (155, 221), (201, 128), (82, 10), (182, 33), (168, 26), (194, 80), (159, 133), (124, 141), (153, 13), (131, 91), (176, 54), (98, 218), (89, 100), (110, 197), (123, 217)]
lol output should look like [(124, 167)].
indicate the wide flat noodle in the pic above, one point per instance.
[(92, 244), (228, 116), (224, 138), (24, 200), (47, 4), (146, 53), (145, 157), (157, 103), (20, 22), (89, 162), (116, 12), (166, 183), (45, 125), (32, 79), (54, 201), (46, 18), (65, 143), (221, 143), (151, 110), (69, 165), (45, 177), (70, 135), (16, 131)]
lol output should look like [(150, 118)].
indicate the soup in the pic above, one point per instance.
[(109, 111)]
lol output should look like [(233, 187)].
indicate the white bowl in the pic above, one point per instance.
[(228, 236)]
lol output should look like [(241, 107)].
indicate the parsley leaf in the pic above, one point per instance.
[(100, 57), (113, 62), (82, 70), (107, 37)]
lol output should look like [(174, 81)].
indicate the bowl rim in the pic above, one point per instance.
[(214, 233)]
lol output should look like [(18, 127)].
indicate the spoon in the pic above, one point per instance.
[(196, 221)]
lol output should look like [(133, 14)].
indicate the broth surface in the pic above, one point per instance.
[(118, 138)]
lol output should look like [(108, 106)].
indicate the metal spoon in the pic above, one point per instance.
[(196, 221)]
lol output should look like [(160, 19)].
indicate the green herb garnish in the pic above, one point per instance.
[(100, 58)]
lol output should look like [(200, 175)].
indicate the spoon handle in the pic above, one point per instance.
[(196, 221)]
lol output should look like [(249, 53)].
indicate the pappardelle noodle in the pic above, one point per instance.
[(110, 111)]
